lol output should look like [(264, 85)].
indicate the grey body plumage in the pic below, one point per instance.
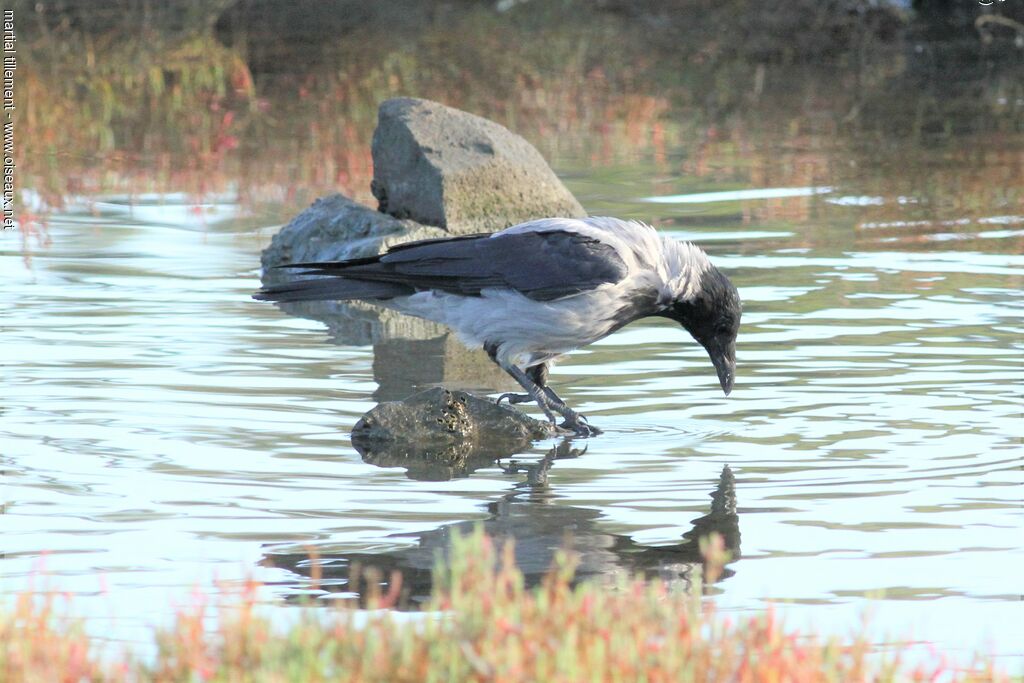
[(535, 291)]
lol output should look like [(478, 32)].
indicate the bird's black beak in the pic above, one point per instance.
[(724, 360)]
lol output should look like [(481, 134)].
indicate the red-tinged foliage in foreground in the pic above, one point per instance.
[(482, 624)]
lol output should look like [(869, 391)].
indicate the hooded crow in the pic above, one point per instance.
[(535, 291)]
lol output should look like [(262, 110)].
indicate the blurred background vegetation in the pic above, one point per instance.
[(275, 102)]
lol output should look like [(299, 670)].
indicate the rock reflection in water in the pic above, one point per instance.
[(403, 365), (437, 461), (408, 353), (539, 528), (446, 461)]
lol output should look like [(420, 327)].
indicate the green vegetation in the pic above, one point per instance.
[(481, 624)]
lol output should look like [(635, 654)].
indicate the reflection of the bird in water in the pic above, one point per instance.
[(539, 528)]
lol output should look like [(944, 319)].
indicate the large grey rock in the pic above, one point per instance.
[(444, 167)]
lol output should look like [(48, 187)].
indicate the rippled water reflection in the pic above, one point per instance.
[(160, 429)]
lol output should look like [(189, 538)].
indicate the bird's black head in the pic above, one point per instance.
[(712, 316)]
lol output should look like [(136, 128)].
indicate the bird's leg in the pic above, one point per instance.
[(573, 420), (492, 352), (538, 376), (535, 381), (513, 398), (534, 391)]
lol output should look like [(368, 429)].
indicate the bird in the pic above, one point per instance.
[(535, 291)]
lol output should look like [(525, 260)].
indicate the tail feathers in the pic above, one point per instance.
[(328, 266), (331, 289)]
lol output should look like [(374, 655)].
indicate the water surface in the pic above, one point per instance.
[(161, 430)]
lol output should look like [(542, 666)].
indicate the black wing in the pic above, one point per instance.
[(542, 265)]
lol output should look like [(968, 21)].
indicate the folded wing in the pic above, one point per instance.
[(541, 265)]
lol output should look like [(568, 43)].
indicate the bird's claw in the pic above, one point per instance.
[(579, 426), (514, 399)]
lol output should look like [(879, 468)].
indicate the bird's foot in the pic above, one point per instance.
[(514, 399), (578, 424)]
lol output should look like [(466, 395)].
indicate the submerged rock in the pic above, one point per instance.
[(439, 416), (444, 167), (440, 434)]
